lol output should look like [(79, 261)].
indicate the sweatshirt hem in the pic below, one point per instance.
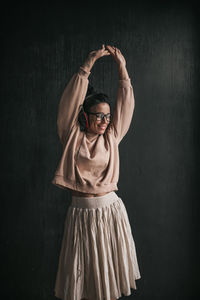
[(62, 183)]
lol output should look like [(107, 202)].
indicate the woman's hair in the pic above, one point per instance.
[(92, 98)]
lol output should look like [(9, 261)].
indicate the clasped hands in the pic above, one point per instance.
[(104, 51), (108, 50)]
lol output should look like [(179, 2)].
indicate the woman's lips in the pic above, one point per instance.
[(102, 127)]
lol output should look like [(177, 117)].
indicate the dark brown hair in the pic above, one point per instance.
[(92, 98)]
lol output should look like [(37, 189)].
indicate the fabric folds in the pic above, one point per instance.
[(98, 256)]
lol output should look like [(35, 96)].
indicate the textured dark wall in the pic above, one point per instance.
[(42, 46)]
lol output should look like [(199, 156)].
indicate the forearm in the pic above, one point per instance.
[(122, 72), (124, 107), (88, 64)]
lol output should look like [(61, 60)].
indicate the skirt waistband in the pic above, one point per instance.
[(94, 202)]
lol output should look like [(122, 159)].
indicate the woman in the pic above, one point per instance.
[(98, 257)]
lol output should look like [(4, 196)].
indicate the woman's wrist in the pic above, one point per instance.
[(88, 64), (122, 71)]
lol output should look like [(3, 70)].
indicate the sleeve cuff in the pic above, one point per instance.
[(83, 72), (125, 82)]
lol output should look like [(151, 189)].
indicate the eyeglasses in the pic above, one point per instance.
[(101, 116)]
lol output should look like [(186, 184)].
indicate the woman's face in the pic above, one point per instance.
[(98, 126)]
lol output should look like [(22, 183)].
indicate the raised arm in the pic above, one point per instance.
[(72, 97), (125, 102), (74, 94)]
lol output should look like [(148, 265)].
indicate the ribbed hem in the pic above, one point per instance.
[(83, 72), (125, 82), (62, 183)]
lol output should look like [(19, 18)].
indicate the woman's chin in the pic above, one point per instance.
[(101, 131)]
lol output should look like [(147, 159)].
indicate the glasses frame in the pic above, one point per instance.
[(102, 116)]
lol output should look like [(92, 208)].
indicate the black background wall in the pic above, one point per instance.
[(42, 46)]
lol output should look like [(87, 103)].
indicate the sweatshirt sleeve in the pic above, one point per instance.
[(124, 109), (73, 96)]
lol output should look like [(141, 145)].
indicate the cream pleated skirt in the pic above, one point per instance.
[(98, 256)]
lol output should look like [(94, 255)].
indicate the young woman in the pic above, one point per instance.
[(98, 256)]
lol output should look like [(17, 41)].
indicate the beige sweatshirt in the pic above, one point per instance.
[(90, 163)]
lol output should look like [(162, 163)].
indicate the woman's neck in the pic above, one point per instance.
[(91, 135)]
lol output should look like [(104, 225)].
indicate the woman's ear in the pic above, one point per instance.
[(83, 119)]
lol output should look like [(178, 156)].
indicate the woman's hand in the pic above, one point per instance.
[(117, 55), (120, 60), (99, 53), (93, 56)]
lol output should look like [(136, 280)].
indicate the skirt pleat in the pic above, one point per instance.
[(98, 256)]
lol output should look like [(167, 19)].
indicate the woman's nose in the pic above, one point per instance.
[(103, 120)]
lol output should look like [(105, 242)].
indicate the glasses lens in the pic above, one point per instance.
[(108, 117), (100, 117)]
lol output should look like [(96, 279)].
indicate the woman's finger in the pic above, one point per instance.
[(110, 49)]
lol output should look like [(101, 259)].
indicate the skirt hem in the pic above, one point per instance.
[(59, 296)]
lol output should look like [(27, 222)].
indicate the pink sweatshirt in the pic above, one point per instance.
[(90, 163)]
